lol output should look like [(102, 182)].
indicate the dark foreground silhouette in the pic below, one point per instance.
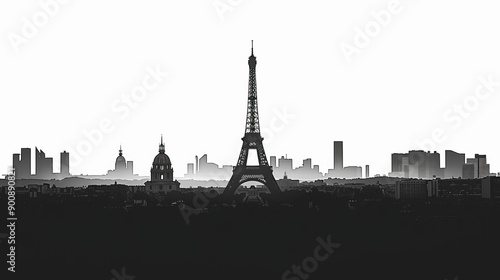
[(379, 239)]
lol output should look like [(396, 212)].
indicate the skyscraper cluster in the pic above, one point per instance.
[(427, 165), (43, 165), (204, 170), (284, 165)]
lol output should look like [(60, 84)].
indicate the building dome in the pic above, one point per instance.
[(161, 159), (120, 163), (120, 160)]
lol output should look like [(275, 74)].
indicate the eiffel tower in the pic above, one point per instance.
[(242, 172)]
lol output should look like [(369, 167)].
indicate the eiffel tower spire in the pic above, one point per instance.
[(252, 108)]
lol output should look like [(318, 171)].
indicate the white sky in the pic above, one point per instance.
[(395, 91)]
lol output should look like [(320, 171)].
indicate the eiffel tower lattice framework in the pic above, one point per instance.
[(242, 172)]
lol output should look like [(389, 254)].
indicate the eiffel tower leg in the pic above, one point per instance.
[(261, 154), (234, 182), (242, 159), (271, 183)]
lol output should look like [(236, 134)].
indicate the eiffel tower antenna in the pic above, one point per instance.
[(242, 172)]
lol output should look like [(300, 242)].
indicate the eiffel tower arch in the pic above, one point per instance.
[(242, 172)]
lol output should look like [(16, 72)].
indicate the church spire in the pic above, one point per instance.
[(120, 151), (162, 146)]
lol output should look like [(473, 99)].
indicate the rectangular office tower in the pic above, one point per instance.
[(22, 165), (43, 165), (190, 169), (64, 164), (273, 161), (400, 165), (338, 155), (454, 164), (482, 166)]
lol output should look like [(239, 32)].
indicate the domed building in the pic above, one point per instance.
[(120, 163), (123, 169), (162, 174)]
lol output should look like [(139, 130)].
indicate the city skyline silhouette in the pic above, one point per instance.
[(141, 140), (418, 164)]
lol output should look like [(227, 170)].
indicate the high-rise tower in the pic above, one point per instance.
[(338, 155), (23, 165), (242, 172), (44, 166), (64, 164)]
